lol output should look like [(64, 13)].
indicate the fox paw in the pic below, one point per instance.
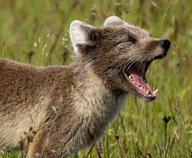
[(27, 137), (30, 135)]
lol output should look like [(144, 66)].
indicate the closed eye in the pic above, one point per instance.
[(129, 40), (124, 43)]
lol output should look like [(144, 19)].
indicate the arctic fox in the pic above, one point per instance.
[(55, 111)]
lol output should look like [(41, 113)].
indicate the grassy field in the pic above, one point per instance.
[(36, 32)]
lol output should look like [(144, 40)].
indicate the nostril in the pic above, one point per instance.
[(165, 44)]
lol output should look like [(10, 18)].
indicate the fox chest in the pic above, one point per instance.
[(97, 115)]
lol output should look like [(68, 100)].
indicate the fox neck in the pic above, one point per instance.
[(93, 99)]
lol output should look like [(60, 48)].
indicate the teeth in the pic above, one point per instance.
[(155, 92), (147, 91), (142, 87), (131, 78)]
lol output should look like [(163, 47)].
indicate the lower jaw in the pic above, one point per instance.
[(143, 97), (148, 99)]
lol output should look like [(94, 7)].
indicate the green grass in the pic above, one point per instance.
[(36, 32)]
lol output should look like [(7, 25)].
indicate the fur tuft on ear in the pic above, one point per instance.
[(114, 21), (79, 32)]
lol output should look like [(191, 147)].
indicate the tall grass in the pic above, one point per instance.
[(36, 32)]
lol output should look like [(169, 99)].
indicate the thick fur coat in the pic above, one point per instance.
[(55, 111)]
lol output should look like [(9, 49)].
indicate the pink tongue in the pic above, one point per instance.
[(139, 81)]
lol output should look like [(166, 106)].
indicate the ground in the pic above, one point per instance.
[(36, 32)]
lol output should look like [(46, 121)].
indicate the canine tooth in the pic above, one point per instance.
[(147, 91), (130, 77), (155, 92)]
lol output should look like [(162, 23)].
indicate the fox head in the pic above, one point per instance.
[(119, 53)]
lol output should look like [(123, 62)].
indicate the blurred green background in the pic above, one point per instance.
[(36, 32)]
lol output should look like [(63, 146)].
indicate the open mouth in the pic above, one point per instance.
[(135, 75)]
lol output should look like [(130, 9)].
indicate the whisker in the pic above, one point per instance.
[(139, 64)]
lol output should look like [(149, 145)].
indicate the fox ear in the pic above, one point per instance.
[(114, 21), (79, 34)]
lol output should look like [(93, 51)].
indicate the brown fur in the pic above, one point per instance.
[(56, 111)]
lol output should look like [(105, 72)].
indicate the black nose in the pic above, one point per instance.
[(165, 44)]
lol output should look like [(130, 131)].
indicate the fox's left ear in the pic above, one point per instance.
[(80, 35), (114, 21)]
